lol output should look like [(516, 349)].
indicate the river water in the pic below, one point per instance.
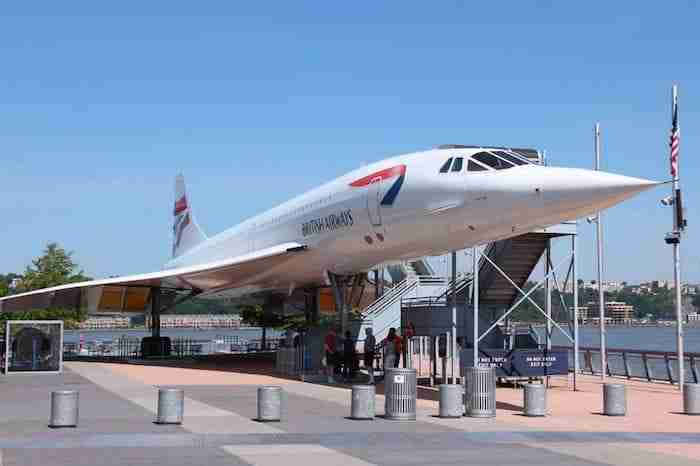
[(633, 338)]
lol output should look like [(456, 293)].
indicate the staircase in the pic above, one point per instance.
[(517, 257)]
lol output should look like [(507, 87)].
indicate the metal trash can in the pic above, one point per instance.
[(171, 406), (400, 390), (451, 402), (362, 403), (691, 398), (269, 404), (614, 399), (535, 400), (64, 408), (480, 396)]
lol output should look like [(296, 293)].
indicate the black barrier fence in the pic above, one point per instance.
[(125, 348), (653, 366)]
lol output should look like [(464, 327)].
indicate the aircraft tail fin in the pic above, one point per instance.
[(186, 232)]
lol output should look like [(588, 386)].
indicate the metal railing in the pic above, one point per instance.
[(125, 348), (661, 366)]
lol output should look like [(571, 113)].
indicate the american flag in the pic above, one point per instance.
[(675, 141)]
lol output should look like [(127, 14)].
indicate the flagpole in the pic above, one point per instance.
[(677, 228), (601, 292)]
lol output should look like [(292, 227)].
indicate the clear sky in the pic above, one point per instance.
[(103, 103)]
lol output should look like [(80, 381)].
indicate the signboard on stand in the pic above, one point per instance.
[(521, 362)]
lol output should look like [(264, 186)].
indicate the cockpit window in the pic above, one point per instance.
[(492, 161), (472, 166), (510, 158), (457, 166), (446, 167)]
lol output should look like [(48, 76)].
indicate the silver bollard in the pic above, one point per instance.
[(535, 400), (362, 403), (614, 399), (691, 398), (269, 404), (171, 405), (451, 401), (64, 409)]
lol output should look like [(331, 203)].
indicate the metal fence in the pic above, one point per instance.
[(125, 348), (637, 364)]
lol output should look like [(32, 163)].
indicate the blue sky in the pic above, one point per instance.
[(104, 103)]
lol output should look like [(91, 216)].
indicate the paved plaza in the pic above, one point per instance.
[(117, 407)]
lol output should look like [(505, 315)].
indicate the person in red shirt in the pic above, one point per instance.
[(329, 347)]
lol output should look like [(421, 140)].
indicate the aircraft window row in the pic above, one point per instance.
[(482, 161), (455, 164), (295, 212), (489, 159), (472, 166), (511, 158)]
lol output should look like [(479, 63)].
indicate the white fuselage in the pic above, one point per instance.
[(363, 218)]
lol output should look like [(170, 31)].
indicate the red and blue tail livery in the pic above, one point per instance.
[(397, 171)]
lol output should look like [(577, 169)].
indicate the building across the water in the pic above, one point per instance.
[(105, 322), (616, 312), (198, 321)]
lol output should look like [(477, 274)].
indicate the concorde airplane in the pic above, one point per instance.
[(404, 207)]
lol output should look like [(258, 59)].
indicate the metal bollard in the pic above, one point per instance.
[(535, 400), (451, 402), (171, 405), (64, 409), (362, 403), (691, 398), (614, 399), (269, 404)]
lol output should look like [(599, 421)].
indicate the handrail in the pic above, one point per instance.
[(389, 298), (645, 368)]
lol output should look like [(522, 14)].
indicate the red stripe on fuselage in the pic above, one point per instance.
[(180, 205), (382, 174)]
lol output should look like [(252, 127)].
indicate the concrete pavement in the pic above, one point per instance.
[(118, 404)]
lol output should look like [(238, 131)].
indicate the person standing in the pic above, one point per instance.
[(348, 356), (408, 333), (330, 351), (389, 349), (370, 343), (398, 349)]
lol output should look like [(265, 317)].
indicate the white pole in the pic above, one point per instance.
[(677, 227), (548, 293), (453, 341), (574, 280), (475, 290), (601, 295)]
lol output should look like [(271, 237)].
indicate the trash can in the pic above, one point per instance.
[(64, 409), (691, 398), (451, 404), (614, 399), (269, 404), (400, 389), (535, 400), (480, 396), (362, 403), (171, 404)]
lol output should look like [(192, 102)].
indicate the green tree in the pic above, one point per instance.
[(257, 317), (54, 267)]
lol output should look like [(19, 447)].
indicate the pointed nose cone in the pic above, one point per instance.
[(583, 192)]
